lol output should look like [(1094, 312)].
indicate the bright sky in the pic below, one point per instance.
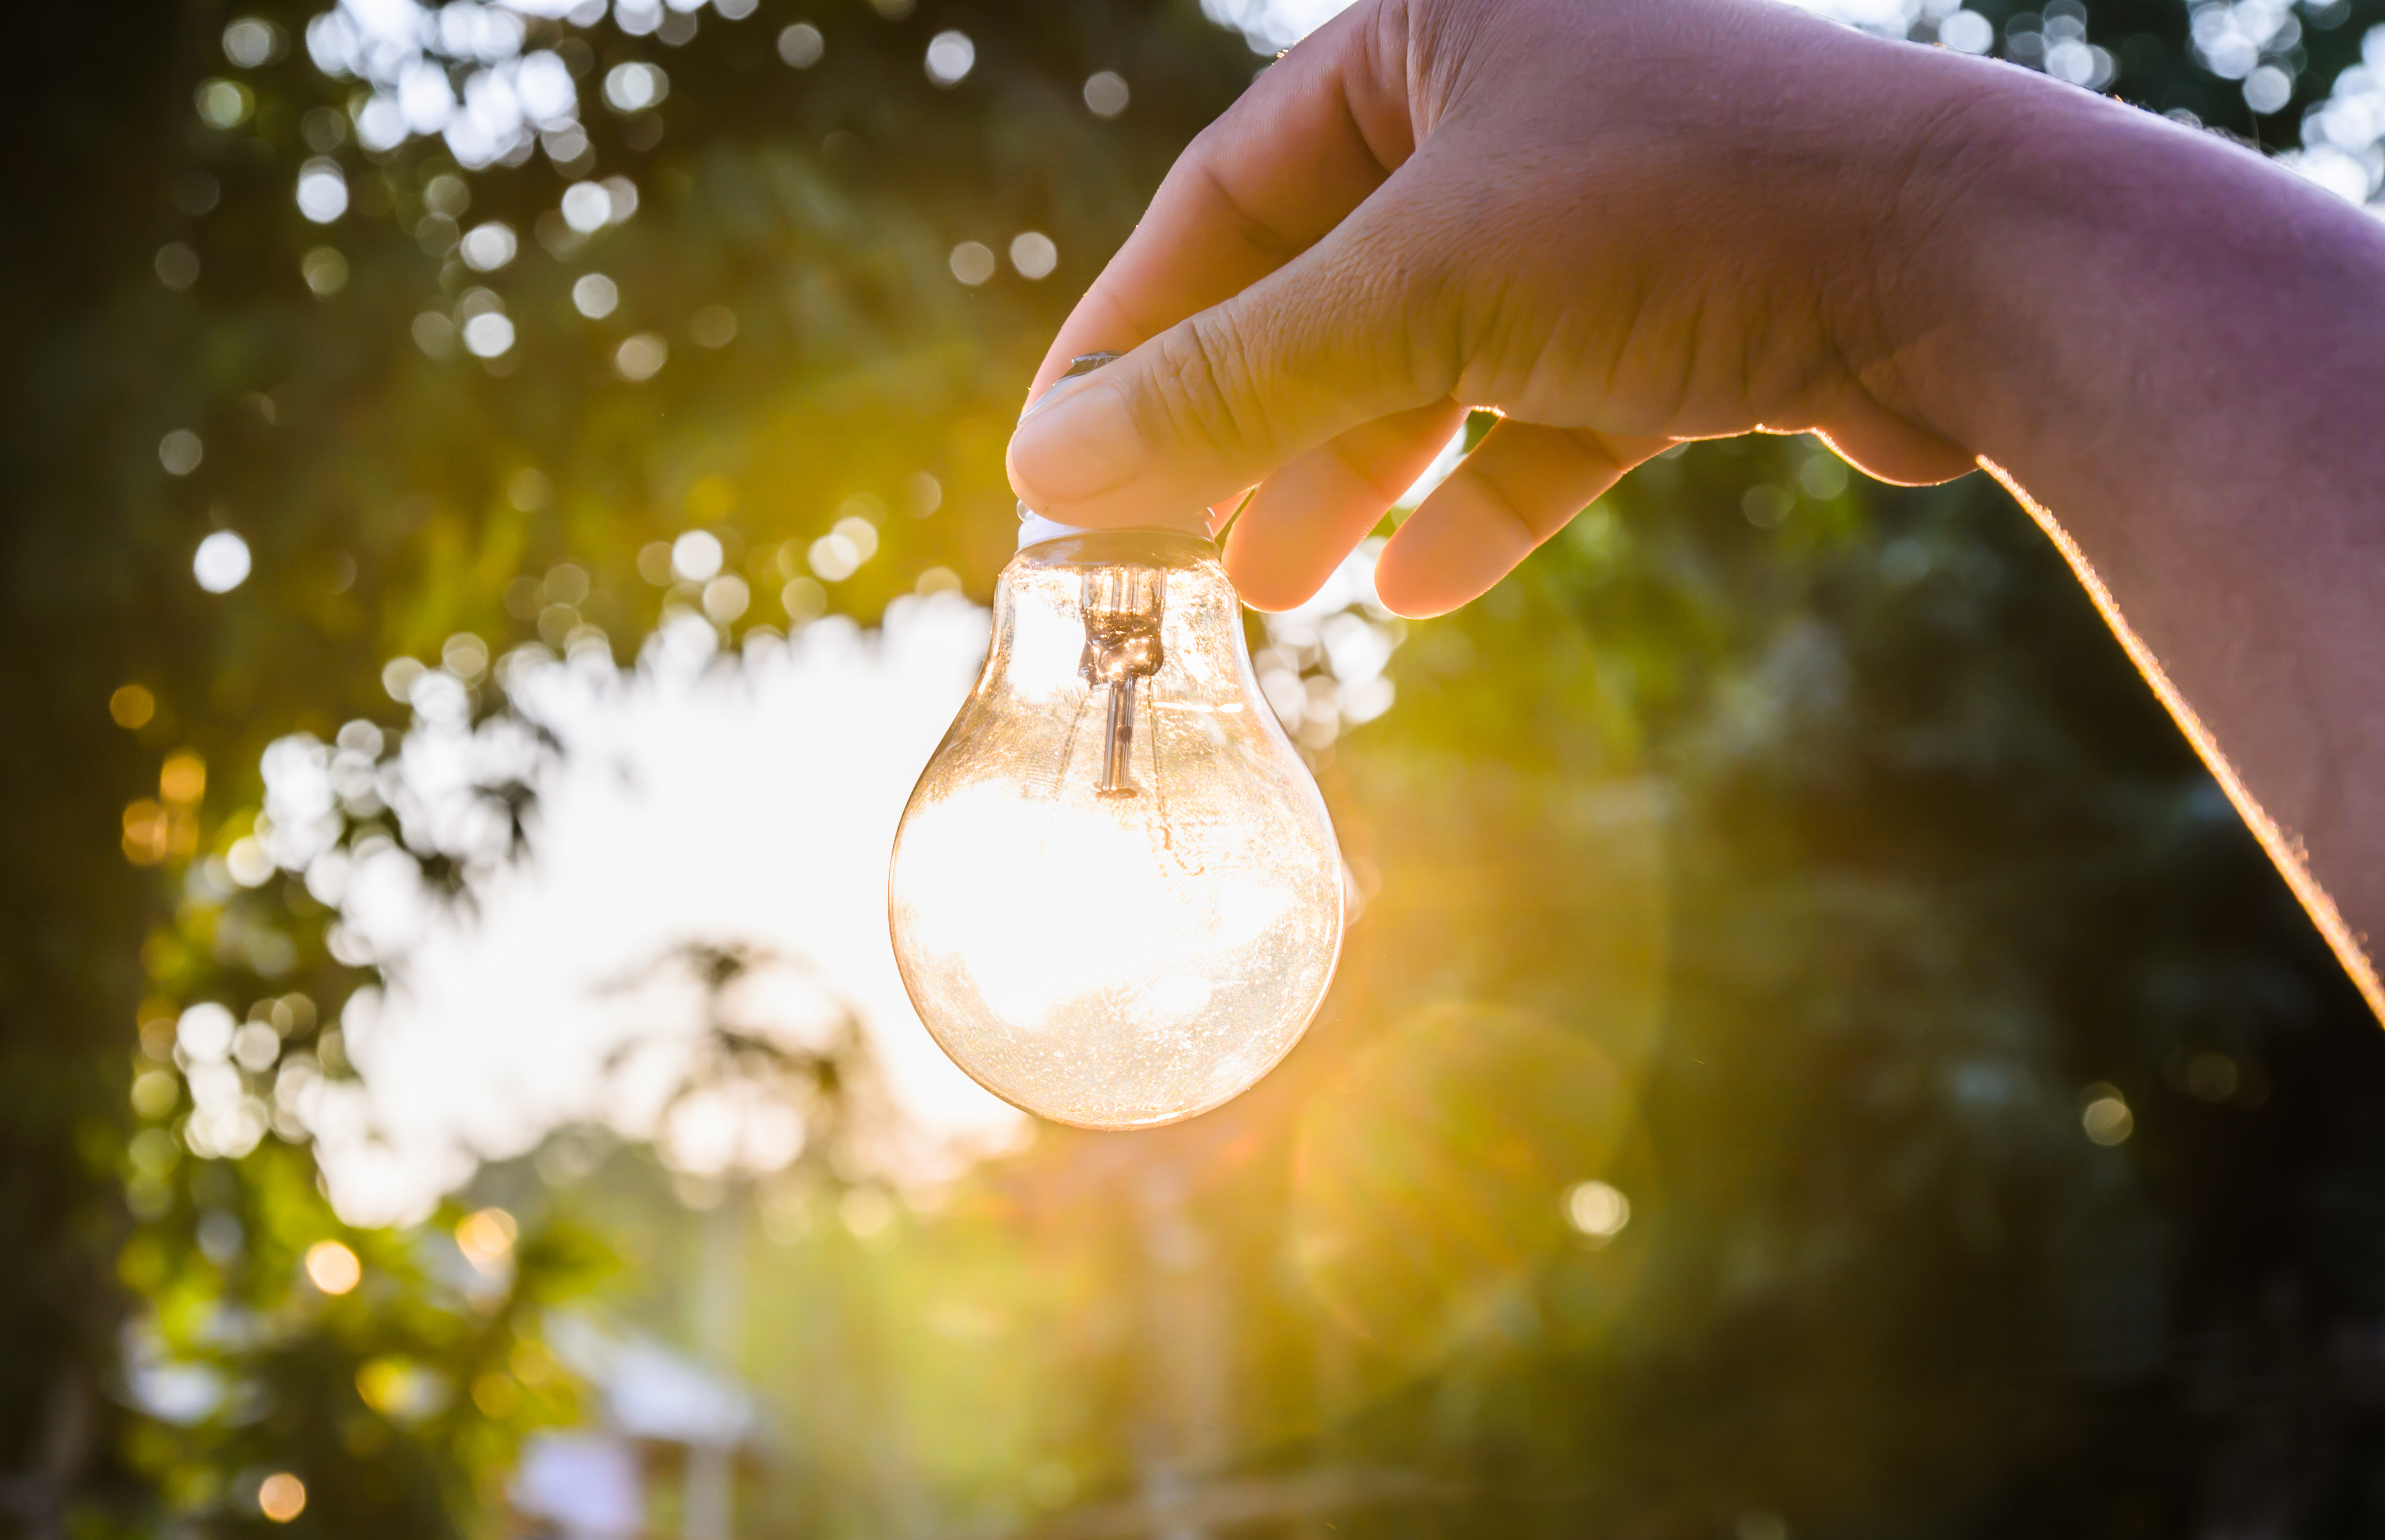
[(695, 802)]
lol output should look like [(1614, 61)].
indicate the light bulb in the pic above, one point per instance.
[(1115, 896)]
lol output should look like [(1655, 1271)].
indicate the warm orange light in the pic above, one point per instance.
[(184, 778), (485, 1238), (146, 833), (332, 1267), (282, 1497), (131, 706)]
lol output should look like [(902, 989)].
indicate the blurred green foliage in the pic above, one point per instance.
[(1793, 856)]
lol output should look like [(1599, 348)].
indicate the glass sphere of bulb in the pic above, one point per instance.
[(1115, 896)]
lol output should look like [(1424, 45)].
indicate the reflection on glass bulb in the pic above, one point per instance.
[(1115, 895)]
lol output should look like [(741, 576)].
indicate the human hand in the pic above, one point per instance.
[(1619, 224), (1627, 222)]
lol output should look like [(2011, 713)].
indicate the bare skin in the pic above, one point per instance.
[(1623, 223)]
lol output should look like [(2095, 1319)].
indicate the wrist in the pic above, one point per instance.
[(1932, 268)]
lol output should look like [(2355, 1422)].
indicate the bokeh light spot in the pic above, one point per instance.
[(1034, 256), (2106, 1116), (800, 46), (1823, 475), (726, 597), (183, 777), (402, 1390), (248, 864), (131, 706), (695, 556), (1766, 506), (923, 494), (486, 1239), (1106, 94), (434, 334), (325, 270), (324, 129), (489, 335), (565, 583), (595, 296), (1597, 1210), (322, 190), (250, 41), (640, 357), (221, 564), (839, 553), (154, 1093), (487, 247), (496, 1395), (951, 55), (255, 1046), (466, 656), (179, 451), (587, 206), (398, 677), (972, 262), (713, 326), (804, 600), (2266, 89), (177, 265), (282, 1496), (447, 195), (2212, 1076), (1967, 32), (332, 1268), (635, 87), (196, 193), (204, 1033), (223, 104)]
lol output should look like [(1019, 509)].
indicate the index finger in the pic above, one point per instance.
[(1316, 134)]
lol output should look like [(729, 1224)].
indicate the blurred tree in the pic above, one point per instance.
[(228, 364)]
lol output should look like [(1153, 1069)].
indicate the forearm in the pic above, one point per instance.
[(2177, 354)]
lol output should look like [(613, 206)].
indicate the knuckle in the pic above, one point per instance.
[(1204, 388)]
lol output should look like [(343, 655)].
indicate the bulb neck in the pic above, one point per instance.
[(1034, 528)]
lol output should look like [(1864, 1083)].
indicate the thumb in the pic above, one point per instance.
[(1210, 407)]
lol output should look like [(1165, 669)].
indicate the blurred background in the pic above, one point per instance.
[(500, 504)]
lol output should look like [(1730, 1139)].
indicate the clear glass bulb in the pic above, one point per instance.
[(1115, 895)]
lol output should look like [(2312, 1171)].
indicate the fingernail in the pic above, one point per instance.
[(1079, 368), (1076, 442)]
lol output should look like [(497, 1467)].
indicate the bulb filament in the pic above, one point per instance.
[(1121, 607)]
